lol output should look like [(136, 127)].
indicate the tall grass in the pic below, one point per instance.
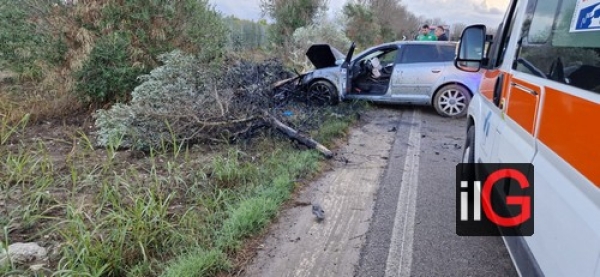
[(8, 129), (172, 213)]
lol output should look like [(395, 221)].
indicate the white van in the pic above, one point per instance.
[(539, 103)]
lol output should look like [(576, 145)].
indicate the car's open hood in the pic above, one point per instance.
[(323, 55)]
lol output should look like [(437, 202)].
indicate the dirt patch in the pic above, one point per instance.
[(297, 244), (6, 75)]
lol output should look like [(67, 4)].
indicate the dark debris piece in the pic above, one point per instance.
[(318, 212)]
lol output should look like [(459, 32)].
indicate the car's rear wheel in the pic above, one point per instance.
[(323, 92), (452, 101)]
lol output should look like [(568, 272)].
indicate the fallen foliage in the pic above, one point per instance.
[(187, 102)]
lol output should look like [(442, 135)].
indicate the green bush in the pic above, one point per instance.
[(175, 87), (160, 26), (23, 43), (104, 45), (146, 29), (108, 74)]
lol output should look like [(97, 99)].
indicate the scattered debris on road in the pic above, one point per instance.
[(318, 212)]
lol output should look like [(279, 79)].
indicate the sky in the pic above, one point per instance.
[(488, 12)]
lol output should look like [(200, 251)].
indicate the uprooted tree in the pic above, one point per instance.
[(186, 101)]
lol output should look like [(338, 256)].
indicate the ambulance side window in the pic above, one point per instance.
[(501, 38), (558, 42)]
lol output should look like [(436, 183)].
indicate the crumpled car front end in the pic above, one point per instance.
[(328, 67), (324, 55)]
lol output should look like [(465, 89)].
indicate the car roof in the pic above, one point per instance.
[(406, 42)]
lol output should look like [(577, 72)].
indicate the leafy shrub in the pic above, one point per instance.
[(108, 74), (160, 26), (150, 29), (78, 40), (170, 87), (24, 48)]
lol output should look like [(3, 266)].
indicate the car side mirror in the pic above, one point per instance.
[(471, 48)]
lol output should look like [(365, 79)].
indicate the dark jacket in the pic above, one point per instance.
[(443, 37)]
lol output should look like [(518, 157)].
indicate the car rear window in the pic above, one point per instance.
[(428, 53)]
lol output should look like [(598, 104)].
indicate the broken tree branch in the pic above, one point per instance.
[(284, 82), (288, 131)]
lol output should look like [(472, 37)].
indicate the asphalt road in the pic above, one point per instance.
[(412, 229), (389, 204)]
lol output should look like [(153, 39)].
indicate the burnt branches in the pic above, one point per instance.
[(186, 102)]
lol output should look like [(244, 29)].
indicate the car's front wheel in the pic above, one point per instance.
[(452, 101), (323, 92)]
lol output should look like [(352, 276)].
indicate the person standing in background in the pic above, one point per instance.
[(425, 34), (440, 33)]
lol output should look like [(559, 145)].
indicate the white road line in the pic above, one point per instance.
[(399, 258)]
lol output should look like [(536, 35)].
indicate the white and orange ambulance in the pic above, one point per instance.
[(539, 102)]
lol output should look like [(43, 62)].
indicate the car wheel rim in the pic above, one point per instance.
[(452, 102), (320, 92)]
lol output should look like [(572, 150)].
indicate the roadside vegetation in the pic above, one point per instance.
[(178, 212), (74, 78)]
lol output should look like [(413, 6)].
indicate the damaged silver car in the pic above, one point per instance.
[(403, 72)]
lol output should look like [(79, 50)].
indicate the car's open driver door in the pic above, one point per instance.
[(345, 68)]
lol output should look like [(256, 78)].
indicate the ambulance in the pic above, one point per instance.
[(539, 103)]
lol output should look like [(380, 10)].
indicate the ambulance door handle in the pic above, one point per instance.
[(524, 88)]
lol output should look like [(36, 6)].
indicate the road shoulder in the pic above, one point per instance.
[(298, 245)]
